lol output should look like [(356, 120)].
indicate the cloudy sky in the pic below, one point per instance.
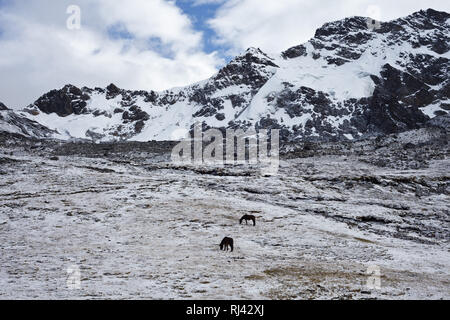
[(155, 44)]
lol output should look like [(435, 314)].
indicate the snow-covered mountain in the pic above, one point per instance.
[(15, 123), (351, 80)]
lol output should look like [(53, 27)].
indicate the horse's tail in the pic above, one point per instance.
[(240, 221)]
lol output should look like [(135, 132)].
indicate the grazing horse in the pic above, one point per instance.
[(226, 243), (248, 217)]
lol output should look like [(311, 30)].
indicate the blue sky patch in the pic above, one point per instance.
[(200, 15), (119, 31)]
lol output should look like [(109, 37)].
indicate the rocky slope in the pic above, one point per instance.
[(12, 122), (348, 82), (3, 107)]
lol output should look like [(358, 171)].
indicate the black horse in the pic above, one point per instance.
[(226, 244), (248, 217)]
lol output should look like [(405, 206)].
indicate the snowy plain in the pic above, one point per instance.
[(138, 227)]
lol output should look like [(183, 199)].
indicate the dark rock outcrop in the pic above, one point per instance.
[(3, 107), (69, 100)]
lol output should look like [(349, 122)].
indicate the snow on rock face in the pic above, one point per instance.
[(350, 81), (12, 122), (3, 107)]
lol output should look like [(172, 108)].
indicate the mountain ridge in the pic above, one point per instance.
[(348, 82), (17, 124)]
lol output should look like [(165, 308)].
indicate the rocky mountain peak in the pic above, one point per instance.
[(253, 69), (64, 102), (256, 56), (17, 123), (342, 27), (112, 91), (427, 19), (348, 82), (3, 107), (112, 88)]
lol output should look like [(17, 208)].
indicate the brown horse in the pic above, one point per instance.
[(248, 217), (226, 243)]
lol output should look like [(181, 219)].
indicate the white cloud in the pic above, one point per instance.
[(155, 18), (277, 25), (38, 53)]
